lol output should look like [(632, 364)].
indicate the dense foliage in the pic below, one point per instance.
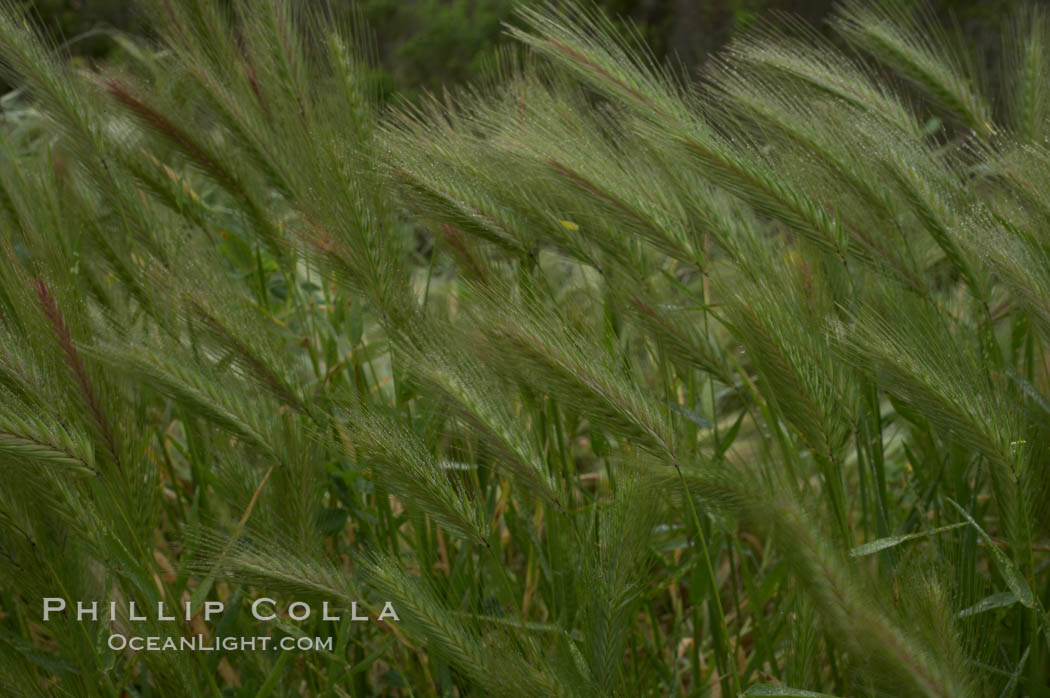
[(431, 44), (612, 383)]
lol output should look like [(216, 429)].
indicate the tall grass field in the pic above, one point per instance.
[(589, 379)]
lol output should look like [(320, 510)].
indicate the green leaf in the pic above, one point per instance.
[(1011, 575), (731, 435), (275, 675), (1000, 600), (331, 520), (693, 416), (892, 541), (371, 659)]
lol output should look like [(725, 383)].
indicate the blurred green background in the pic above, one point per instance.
[(428, 43)]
